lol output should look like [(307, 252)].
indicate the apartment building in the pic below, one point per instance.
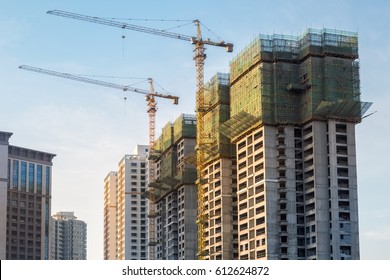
[(219, 217), (125, 208), (25, 201), (69, 237), (175, 191), (110, 211), (295, 102)]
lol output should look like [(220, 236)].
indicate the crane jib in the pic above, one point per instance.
[(123, 25)]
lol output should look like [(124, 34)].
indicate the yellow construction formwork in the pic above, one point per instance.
[(283, 79), (184, 127), (217, 111)]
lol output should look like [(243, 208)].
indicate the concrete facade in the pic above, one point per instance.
[(218, 180), (294, 104), (220, 209), (297, 193), (176, 196), (69, 237)]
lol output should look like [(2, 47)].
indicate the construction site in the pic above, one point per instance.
[(278, 176), (266, 169)]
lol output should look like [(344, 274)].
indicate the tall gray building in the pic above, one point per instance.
[(175, 191), (219, 176), (295, 102), (69, 237), (25, 201)]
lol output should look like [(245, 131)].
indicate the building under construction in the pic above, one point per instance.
[(175, 191), (278, 173), (219, 236), (288, 190)]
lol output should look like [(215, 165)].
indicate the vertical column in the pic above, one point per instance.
[(4, 137)]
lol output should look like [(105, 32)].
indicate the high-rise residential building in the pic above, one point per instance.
[(69, 237), (110, 210), (219, 219), (125, 208), (25, 201), (294, 104), (175, 191)]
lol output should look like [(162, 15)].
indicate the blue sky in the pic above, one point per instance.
[(90, 128)]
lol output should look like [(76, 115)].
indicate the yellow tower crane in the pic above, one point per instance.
[(199, 57), (150, 98)]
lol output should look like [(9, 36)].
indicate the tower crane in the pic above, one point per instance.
[(150, 98), (199, 57)]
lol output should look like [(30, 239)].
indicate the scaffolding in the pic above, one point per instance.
[(284, 79), (170, 172), (167, 136), (184, 127), (217, 111), (174, 177)]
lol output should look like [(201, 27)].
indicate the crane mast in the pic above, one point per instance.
[(199, 57), (152, 170)]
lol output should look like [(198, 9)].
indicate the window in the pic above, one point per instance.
[(261, 254), (259, 156), (259, 199), (342, 172), (39, 178), (259, 189), (342, 150), (341, 139), (260, 221), (242, 186), (47, 180), (242, 175), (241, 145), (15, 178), (260, 209), (23, 176), (258, 135), (31, 177), (259, 167), (341, 128)]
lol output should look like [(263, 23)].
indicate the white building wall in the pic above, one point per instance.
[(132, 206)]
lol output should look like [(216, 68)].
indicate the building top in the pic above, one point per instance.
[(111, 173), (141, 150), (64, 216), (25, 153), (284, 79), (183, 127), (29, 154), (278, 47), (4, 137)]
